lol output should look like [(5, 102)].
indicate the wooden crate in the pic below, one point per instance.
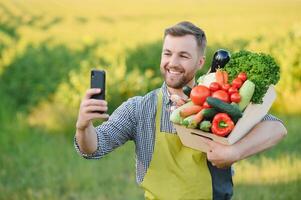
[(251, 116)]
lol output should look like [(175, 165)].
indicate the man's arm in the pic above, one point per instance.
[(85, 136), (93, 143), (263, 136), (87, 139)]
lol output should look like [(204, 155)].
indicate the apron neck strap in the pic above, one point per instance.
[(159, 108)]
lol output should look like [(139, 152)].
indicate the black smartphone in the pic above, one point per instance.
[(98, 80)]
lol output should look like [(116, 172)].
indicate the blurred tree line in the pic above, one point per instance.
[(46, 81)]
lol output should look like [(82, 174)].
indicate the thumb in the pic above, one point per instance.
[(175, 98)]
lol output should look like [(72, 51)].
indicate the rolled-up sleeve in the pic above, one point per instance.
[(270, 117), (120, 127)]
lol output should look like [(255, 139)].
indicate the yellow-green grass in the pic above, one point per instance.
[(39, 165)]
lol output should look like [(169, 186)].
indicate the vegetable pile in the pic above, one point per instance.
[(215, 108), (219, 99)]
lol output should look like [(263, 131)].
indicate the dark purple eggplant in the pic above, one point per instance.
[(220, 58), (187, 90)]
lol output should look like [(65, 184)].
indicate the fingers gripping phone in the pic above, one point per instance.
[(98, 80)]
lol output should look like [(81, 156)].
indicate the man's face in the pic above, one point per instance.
[(180, 60)]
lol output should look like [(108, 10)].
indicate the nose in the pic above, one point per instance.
[(174, 60)]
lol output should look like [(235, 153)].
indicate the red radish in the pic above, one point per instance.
[(214, 86), (242, 76), (237, 82), (235, 97), (222, 95), (232, 90), (226, 87)]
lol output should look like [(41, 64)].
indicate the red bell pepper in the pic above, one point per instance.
[(222, 124)]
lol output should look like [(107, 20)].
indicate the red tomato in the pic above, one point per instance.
[(242, 76), (235, 97), (214, 86), (232, 90), (237, 82), (199, 94), (206, 105), (226, 87), (222, 95)]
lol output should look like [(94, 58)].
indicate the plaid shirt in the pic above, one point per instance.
[(135, 120)]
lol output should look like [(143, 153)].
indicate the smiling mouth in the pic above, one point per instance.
[(174, 72)]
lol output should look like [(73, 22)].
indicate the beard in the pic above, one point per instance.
[(175, 81), (176, 84)]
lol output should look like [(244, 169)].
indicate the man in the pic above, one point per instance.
[(164, 168)]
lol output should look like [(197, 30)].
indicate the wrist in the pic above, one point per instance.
[(236, 155), (82, 127)]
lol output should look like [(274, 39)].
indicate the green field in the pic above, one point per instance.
[(47, 49)]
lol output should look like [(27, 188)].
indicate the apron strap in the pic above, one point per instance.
[(159, 108)]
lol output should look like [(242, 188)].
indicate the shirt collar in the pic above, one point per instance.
[(166, 94)]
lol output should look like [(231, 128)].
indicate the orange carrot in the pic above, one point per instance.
[(193, 109), (197, 118), (225, 76), (219, 76)]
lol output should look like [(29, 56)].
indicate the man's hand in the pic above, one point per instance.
[(263, 136), (88, 109), (177, 101), (221, 156)]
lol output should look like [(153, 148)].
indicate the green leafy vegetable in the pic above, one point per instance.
[(261, 69)]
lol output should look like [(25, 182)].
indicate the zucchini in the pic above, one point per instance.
[(175, 115), (223, 107), (209, 113), (246, 92), (189, 122)]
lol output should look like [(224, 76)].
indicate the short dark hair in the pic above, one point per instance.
[(188, 28)]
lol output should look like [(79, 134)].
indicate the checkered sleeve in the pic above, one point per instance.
[(120, 127), (269, 117)]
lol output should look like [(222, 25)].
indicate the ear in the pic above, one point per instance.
[(201, 61)]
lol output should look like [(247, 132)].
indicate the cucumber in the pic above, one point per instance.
[(246, 92), (175, 115), (205, 125), (235, 104), (223, 107), (209, 113)]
